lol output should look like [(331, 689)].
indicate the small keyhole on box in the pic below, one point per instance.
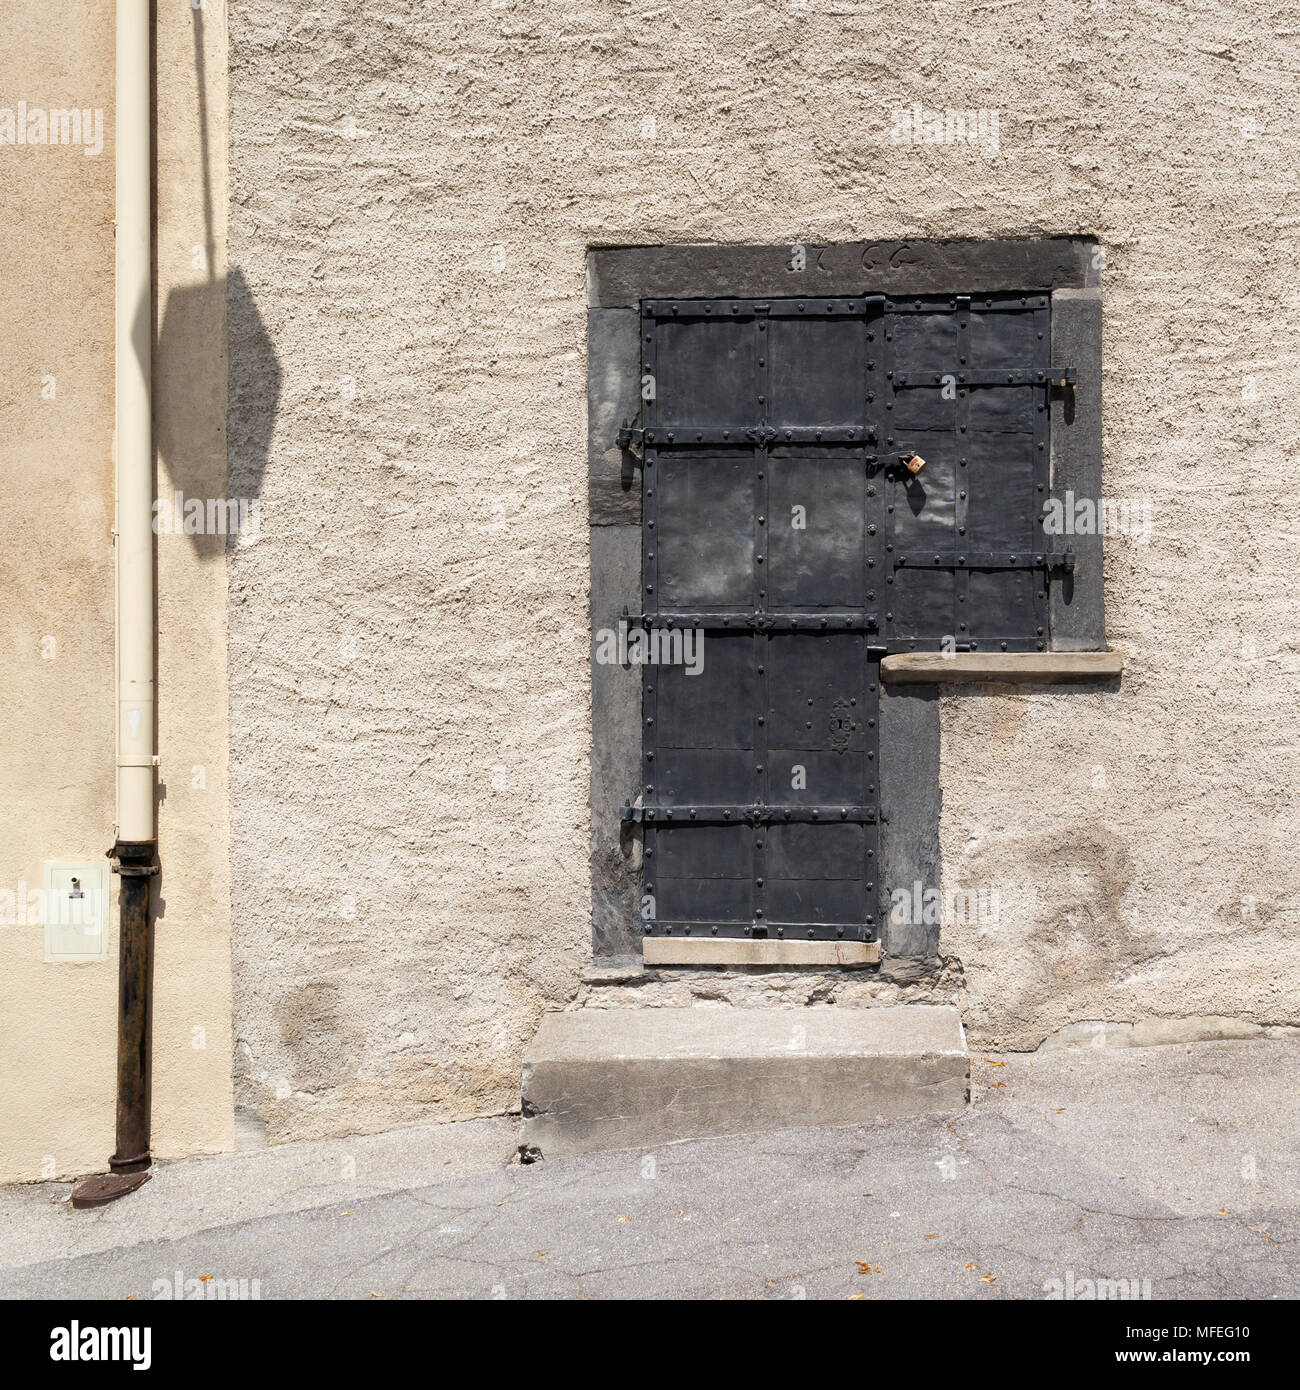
[(76, 889)]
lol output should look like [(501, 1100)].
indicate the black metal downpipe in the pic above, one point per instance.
[(130, 1163)]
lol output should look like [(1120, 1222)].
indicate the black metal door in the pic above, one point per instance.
[(788, 519), (760, 788), (966, 382)]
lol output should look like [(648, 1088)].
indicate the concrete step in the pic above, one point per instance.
[(629, 1078)]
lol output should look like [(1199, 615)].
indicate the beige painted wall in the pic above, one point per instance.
[(58, 1022), (413, 196)]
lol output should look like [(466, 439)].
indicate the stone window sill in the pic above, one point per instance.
[(944, 668)]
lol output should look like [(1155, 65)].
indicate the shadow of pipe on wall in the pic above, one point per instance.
[(209, 493)]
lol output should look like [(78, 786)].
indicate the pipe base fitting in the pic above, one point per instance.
[(107, 1187)]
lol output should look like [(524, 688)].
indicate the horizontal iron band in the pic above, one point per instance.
[(664, 436), (765, 931), (758, 622), (762, 308), (751, 815), (840, 304)]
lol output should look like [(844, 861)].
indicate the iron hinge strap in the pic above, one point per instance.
[(1057, 377), (989, 560)]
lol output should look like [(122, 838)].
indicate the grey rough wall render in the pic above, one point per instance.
[(414, 189)]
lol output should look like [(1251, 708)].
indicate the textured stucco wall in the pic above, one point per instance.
[(58, 1021), (413, 192)]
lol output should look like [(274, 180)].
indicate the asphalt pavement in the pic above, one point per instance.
[(1163, 1172)]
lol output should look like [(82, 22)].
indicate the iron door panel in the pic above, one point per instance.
[(815, 693), (802, 778), (923, 609), (823, 874), (703, 874), (1004, 467), (819, 853), (924, 514), (1002, 410), (1006, 601), (817, 903), (701, 749), (704, 372), (704, 777), (1003, 333), (817, 370), (816, 531), (706, 520), (713, 708), (923, 348)]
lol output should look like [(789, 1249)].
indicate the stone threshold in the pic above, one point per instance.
[(706, 950), (633, 1078)]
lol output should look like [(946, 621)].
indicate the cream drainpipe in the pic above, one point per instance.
[(134, 850), (135, 480)]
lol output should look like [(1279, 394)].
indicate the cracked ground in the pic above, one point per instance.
[(1178, 1165)]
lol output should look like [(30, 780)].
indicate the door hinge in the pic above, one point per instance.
[(631, 439), (1061, 560)]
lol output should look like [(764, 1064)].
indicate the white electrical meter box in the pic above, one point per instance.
[(76, 911)]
